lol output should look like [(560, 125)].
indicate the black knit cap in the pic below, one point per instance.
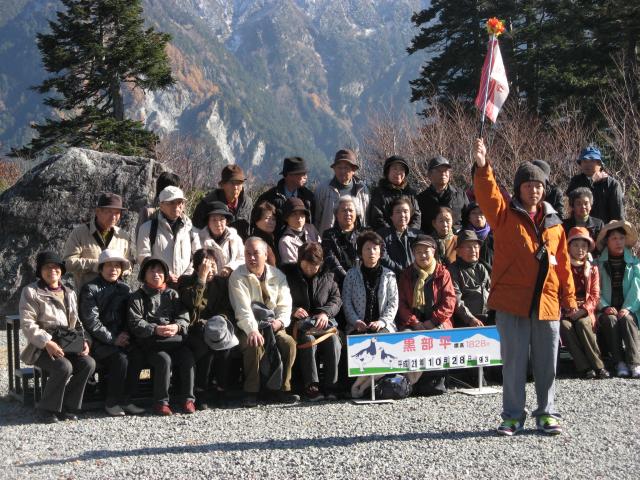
[(395, 159), (48, 257), (544, 166), (219, 208), (528, 172), (149, 262)]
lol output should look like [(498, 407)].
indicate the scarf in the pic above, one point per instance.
[(423, 276), (483, 232), (160, 289)]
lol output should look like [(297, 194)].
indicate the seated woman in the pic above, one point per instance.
[(370, 292), (159, 322), (206, 296), (339, 241), (316, 301), (399, 236), (471, 281), (620, 296), (577, 329), (263, 225), (473, 219), (223, 241), (446, 240), (47, 307), (580, 203), (427, 301), (297, 230), (102, 308)]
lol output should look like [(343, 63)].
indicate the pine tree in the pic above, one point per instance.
[(94, 50)]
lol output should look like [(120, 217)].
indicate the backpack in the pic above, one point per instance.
[(393, 387)]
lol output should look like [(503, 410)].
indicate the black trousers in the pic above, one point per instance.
[(207, 360), (67, 380), (180, 361), (122, 369)]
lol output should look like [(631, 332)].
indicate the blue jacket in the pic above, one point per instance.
[(630, 282)]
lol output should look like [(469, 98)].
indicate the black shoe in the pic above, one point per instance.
[(67, 416), (201, 401), (250, 400), (603, 373), (286, 397), (589, 375), (45, 416)]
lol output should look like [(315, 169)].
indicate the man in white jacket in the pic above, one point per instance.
[(255, 281), (169, 235)]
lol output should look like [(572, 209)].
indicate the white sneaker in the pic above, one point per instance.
[(115, 411), (635, 371), (622, 370), (133, 409)]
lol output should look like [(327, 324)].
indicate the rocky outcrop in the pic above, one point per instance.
[(40, 210)]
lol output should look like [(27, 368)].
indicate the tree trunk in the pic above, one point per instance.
[(118, 102)]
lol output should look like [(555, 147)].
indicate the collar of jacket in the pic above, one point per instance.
[(357, 186), (437, 273), (185, 222), (551, 217), (449, 190), (225, 235), (629, 258), (244, 271), (462, 265), (42, 286), (290, 232), (93, 228), (151, 292), (218, 194), (300, 192), (404, 188)]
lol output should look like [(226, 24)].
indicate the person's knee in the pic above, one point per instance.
[(583, 324), (566, 326), (62, 368), (160, 360), (607, 321), (87, 364)]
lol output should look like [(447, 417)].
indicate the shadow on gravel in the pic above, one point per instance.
[(294, 444)]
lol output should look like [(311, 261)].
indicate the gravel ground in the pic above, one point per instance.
[(451, 436)]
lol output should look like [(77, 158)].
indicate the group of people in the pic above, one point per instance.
[(280, 280)]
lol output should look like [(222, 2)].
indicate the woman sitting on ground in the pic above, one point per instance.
[(577, 329), (620, 296), (47, 307), (263, 225), (159, 322), (103, 313), (206, 296), (316, 302)]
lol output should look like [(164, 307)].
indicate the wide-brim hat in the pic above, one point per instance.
[(219, 208), (231, 173), (46, 257), (467, 236), (631, 234), (110, 200), (345, 155), (294, 204), (581, 233), (294, 165), (395, 159), (110, 255), (147, 262), (219, 333)]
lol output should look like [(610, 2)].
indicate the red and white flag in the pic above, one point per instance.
[(493, 71)]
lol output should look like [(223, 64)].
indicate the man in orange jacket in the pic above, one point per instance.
[(530, 281)]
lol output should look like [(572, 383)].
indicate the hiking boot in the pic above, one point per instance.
[(622, 370), (286, 397), (189, 407), (250, 400), (132, 409), (312, 393), (115, 411), (549, 425), (510, 427), (589, 375), (603, 373), (67, 416), (162, 409), (45, 416)]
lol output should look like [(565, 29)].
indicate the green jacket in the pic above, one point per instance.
[(630, 282)]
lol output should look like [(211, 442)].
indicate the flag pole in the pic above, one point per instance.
[(486, 88)]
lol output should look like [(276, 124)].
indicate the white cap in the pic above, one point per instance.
[(169, 194), (110, 255)]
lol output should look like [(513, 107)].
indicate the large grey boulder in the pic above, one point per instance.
[(41, 210)]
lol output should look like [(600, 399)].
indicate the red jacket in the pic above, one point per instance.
[(442, 292), (592, 289)]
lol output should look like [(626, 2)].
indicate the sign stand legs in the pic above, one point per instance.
[(481, 390)]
